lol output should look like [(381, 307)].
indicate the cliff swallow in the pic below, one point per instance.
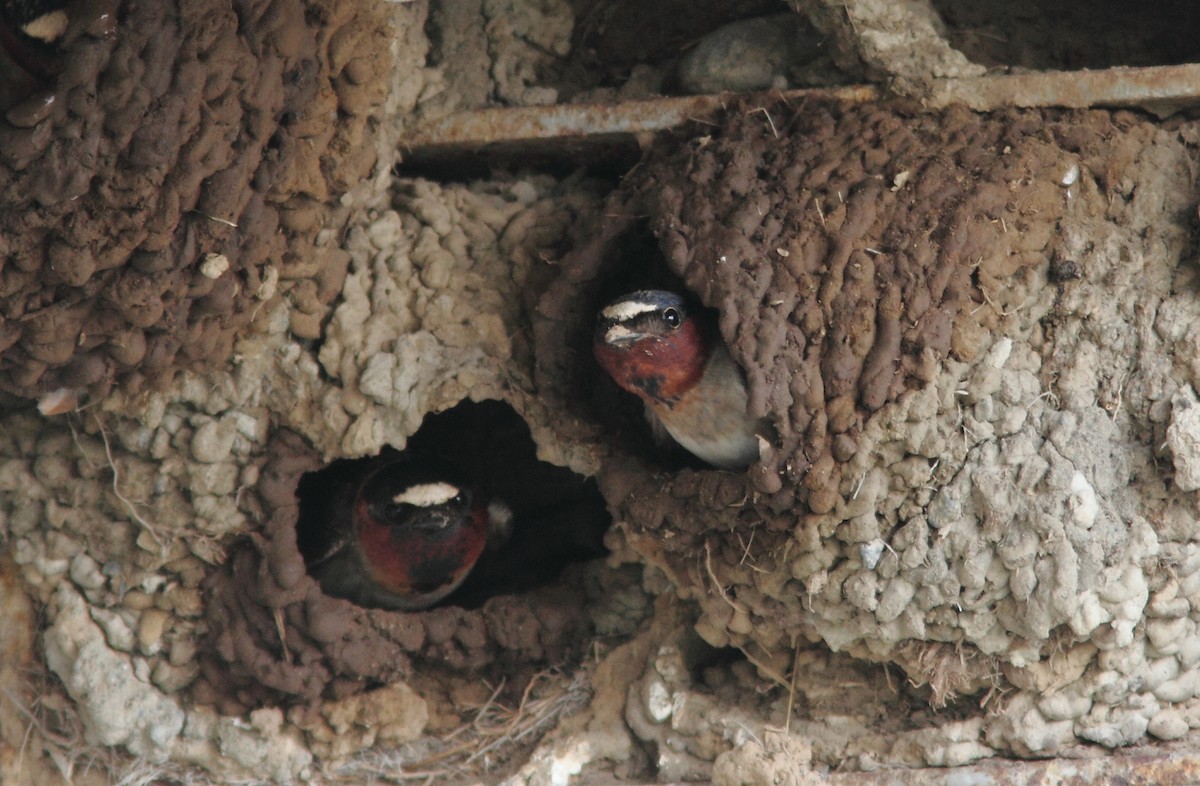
[(408, 536), (671, 356)]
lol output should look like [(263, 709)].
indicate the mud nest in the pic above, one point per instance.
[(281, 638), (862, 260), (168, 173)]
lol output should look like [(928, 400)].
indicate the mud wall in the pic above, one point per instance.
[(974, 334)]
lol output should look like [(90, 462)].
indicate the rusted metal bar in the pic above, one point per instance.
[(517, 124), (566, 130), (1151, 87), (1177, 769), (1166, 769)]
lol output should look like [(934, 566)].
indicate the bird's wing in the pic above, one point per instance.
[(662, 437), (335, 547)]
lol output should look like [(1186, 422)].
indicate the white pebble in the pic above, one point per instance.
[(1084, 504), (871, 552), (214, 265), (658, 701)]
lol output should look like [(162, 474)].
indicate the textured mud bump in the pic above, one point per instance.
[(273, 629), (969, 477), (174, 176)]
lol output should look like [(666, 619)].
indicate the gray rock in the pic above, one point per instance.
[(748, 55)]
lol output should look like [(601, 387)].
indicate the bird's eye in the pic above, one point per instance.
[(672, 318), (461, 498)]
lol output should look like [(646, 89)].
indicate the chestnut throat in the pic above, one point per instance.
[(659, 369), (402, 561)]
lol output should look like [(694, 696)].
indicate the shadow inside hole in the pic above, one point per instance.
[(559, 517), (632, 262), (1056, 35)]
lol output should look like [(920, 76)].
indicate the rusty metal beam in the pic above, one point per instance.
[(1126, 769), (527, 123), (566, 130), (1152, 87), (1177, 769)]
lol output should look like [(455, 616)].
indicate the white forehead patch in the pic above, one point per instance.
[(426, 495), (627, 309)]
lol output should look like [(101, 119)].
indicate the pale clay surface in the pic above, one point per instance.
[(1060, 498)]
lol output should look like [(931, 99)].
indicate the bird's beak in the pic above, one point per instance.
[(621, 336), (434, 521)]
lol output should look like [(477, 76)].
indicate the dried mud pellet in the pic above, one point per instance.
[(71, 266), (10, 333), (32, 110), (127, 347), (161, 349), (213, 441), (26, 373), (50, 353), (87, 369)]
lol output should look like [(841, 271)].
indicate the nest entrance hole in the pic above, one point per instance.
[(632, 261), (559, 517)]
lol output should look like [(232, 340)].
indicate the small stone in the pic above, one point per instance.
[(871, 552), (751, 54), (214, 265)]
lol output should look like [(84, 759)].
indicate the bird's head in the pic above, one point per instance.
[(420, 527), (653, 344)]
